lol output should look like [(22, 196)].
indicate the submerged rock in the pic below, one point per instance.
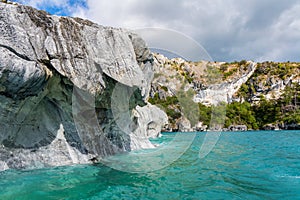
[(58, 80)]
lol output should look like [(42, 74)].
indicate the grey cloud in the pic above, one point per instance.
[(229, 30), (266, 13), (174, 42)]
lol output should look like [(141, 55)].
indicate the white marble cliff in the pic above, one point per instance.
[(58, 96)]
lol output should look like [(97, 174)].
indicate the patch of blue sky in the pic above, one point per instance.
[(55, 7)]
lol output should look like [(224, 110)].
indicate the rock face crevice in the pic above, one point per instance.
[(71, 91)]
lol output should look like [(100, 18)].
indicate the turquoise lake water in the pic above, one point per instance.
[(242, 165)]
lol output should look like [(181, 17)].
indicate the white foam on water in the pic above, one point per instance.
[(288, 176)]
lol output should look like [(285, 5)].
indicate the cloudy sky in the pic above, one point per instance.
[(228, 30)]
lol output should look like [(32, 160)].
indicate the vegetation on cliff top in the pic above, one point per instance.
[(268, 108)]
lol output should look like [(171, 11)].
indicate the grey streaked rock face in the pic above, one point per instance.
[(57, 78)]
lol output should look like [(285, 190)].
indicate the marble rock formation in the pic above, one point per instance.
[(71, 91)]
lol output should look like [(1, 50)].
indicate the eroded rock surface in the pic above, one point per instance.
[(57, 79)]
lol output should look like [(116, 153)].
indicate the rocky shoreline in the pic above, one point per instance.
[(239, 128)]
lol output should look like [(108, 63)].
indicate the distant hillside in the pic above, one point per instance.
[(274, 94), (258, 95)]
